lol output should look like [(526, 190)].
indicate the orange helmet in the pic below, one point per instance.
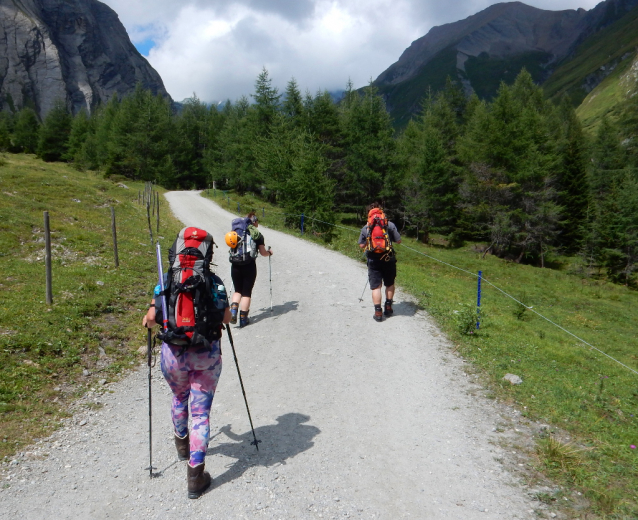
[(232, 239)]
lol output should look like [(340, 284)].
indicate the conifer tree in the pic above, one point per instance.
[(54, 134), (6, 128), (25, 132), (266, 103), (369, 148), (292, 106), (189, 144), (572, 181), (80, 128)]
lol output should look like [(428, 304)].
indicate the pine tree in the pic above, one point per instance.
[(54, 134), (25, 132), (572, 181), (369, 148), (80, 129), (189, 144), (292, 106), (608, 158), (6, 129), (266, 103)]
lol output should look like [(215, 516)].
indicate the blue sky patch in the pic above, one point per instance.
[(144, 47)]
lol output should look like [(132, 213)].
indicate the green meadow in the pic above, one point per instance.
[(94, 323)]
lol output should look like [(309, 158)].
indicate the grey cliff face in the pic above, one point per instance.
[(76, 51)]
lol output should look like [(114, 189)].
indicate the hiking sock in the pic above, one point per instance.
[(243, 318), (388, 308), (378, 313), (234, 307)]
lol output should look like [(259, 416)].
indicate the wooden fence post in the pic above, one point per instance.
[(47, 258), (114, 232), (157, 214), (148, 216)]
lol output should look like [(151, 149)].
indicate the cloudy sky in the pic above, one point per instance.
[(216, 48)]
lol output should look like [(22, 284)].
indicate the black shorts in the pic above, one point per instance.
[(244, 277), (380, 270)]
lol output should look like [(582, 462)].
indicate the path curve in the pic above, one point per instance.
[(357, 419)]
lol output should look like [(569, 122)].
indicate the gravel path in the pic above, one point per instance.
[(357, 419)]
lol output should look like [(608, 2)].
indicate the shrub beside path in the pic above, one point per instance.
[(357, 419)]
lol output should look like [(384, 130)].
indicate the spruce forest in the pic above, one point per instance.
[(516, 173)]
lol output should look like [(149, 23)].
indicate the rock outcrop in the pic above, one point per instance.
[(76, 51)]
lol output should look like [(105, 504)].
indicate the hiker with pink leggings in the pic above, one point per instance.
[(193, 305)]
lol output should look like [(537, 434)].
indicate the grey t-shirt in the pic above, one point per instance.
[(393, 233)]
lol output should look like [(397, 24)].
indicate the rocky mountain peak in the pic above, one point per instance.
[(76, 51)]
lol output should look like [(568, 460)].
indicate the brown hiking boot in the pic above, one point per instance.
[(198, 480), (378, 315), (388, 311), (183, 447)]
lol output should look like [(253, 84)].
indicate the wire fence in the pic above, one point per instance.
[(304, 217)]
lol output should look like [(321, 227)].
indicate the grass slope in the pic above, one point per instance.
[(589, 401), (607, 98), (94, 321), (606, 48)]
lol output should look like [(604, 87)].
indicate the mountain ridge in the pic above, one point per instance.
[(489, 47)]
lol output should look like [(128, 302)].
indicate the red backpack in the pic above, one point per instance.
[(193, 316), (378, 240)]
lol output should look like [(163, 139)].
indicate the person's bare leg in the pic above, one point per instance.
[(244, 305), (389, 293), (236, 297), (376, 296)]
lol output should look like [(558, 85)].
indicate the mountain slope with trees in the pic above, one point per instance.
[(495, 44)]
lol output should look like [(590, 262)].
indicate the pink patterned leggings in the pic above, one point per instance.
[(194, 374)]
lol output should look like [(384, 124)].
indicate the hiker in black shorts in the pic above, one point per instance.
[(244, 276), (376, 238)]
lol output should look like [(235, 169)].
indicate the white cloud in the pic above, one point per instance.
[(217, 48)]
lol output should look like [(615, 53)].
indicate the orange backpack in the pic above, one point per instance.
[(378, 240)]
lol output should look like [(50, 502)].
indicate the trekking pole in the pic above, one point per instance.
[(160, 274), (232, 345), (364, 290), (150, 407), (270, 275)]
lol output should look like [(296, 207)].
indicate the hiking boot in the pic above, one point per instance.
[(234, 307), (388, 311), (198, 480), (183, 447), (243, 318), (378, 314)]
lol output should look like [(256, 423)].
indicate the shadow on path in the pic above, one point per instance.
[(405, 309), (279, 442), (277, 310)]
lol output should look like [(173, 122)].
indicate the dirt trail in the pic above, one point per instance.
[(357, 419)]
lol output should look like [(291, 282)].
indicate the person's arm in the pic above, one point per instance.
[(149, 318), (362, 238), (227, 316), (396, 237), (263, 251)]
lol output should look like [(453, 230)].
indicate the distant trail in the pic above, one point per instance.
[(357, 419)]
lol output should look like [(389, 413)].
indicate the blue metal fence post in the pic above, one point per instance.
[(302, 219), (478, 301)]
